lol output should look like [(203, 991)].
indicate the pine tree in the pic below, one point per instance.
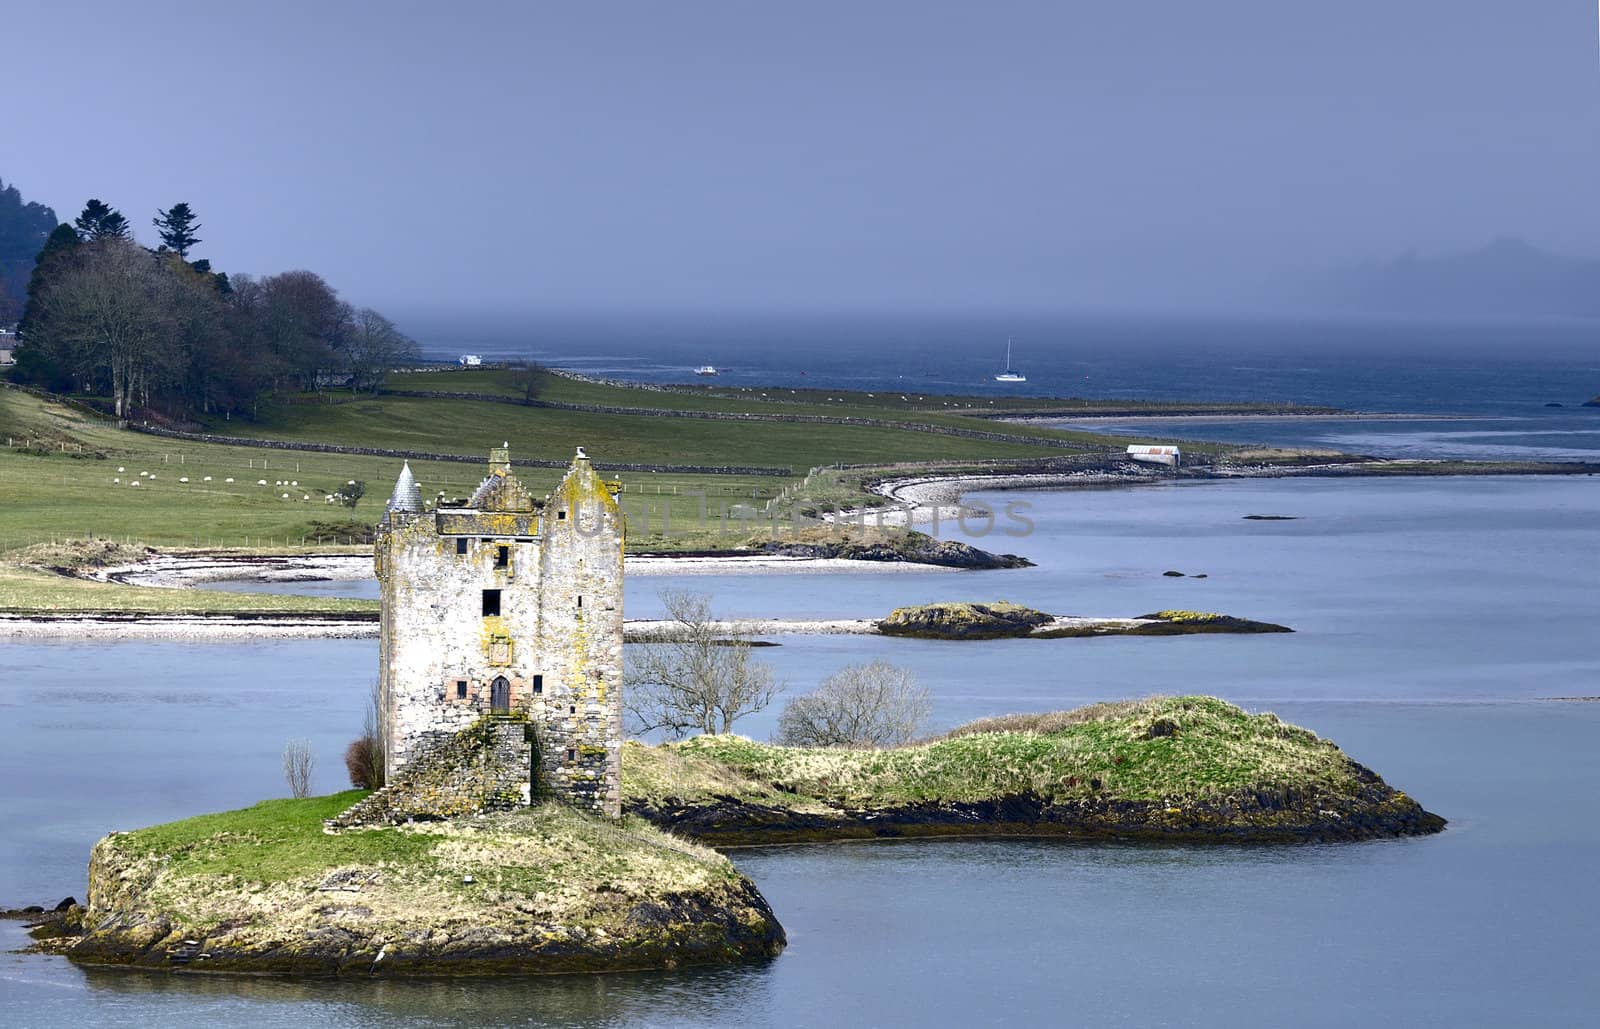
[(100, 220), (177, 227), (63, 239)]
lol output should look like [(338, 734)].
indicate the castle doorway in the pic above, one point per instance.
[(500, 696)]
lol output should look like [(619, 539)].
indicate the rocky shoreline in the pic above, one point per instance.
[(1266, 817)]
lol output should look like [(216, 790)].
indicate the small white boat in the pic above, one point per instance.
[(1010, 374), (469, 360), (706, 369)]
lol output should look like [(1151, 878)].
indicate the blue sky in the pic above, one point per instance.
[(824, 155)]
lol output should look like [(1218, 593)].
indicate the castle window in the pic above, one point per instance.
[(580, 600), (572, 709), (538, 684), (502, 556), (461, 546), (561, 516), (461, 689), (491, 603), (572, 755)]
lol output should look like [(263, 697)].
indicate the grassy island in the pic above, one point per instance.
[(1181, 769), (540, 890)]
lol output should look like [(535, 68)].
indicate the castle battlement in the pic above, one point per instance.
[(504, 603)]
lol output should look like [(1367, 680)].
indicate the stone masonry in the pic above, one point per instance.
[(506, 604), (484, 767)]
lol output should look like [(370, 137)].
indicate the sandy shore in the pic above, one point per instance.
[(180, 571), (184, 571), (206, 628), (183, 628)]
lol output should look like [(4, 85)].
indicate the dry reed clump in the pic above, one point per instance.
[(1047, 722)]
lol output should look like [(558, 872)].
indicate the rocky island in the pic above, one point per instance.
[(543, 889), (1190, 769)]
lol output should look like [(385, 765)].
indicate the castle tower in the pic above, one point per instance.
[(507, 604)]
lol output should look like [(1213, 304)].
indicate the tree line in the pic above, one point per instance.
[(164, 335)]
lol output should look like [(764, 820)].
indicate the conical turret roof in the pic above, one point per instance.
[(407, 496)]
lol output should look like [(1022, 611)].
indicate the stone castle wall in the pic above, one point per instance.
[(580, 725), (556, 640)]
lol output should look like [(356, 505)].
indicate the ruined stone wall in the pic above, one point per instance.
[(484, 767)]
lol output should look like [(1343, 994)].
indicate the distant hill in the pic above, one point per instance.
[(23, 228), (1506, 277)]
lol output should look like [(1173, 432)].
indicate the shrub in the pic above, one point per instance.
[(874, 705), (363, 759)]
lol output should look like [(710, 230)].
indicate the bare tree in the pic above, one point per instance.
[(111, 312), (873, 705), (701, 677), (374, 348), (297, 765)]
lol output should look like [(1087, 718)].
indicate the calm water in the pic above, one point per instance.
[(1533, 434), (1381, 365), (1432, 617)]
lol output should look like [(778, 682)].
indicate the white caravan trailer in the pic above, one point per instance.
[(1168, 456)]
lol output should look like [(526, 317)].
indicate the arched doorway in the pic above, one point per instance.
[(500, 696)]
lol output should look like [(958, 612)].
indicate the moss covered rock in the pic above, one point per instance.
[(963, 621)]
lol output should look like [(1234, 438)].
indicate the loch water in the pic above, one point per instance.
[(1434, 621)]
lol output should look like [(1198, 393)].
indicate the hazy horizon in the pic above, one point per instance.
[(893, 156)]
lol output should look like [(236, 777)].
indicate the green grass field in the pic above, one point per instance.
[(456, 426), (67, 474), (710, 397)]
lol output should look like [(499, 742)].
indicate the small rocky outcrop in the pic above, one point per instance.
[(909, 547), (999, 620), (963, 621)]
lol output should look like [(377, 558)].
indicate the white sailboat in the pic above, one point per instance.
[(1010, 374)]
